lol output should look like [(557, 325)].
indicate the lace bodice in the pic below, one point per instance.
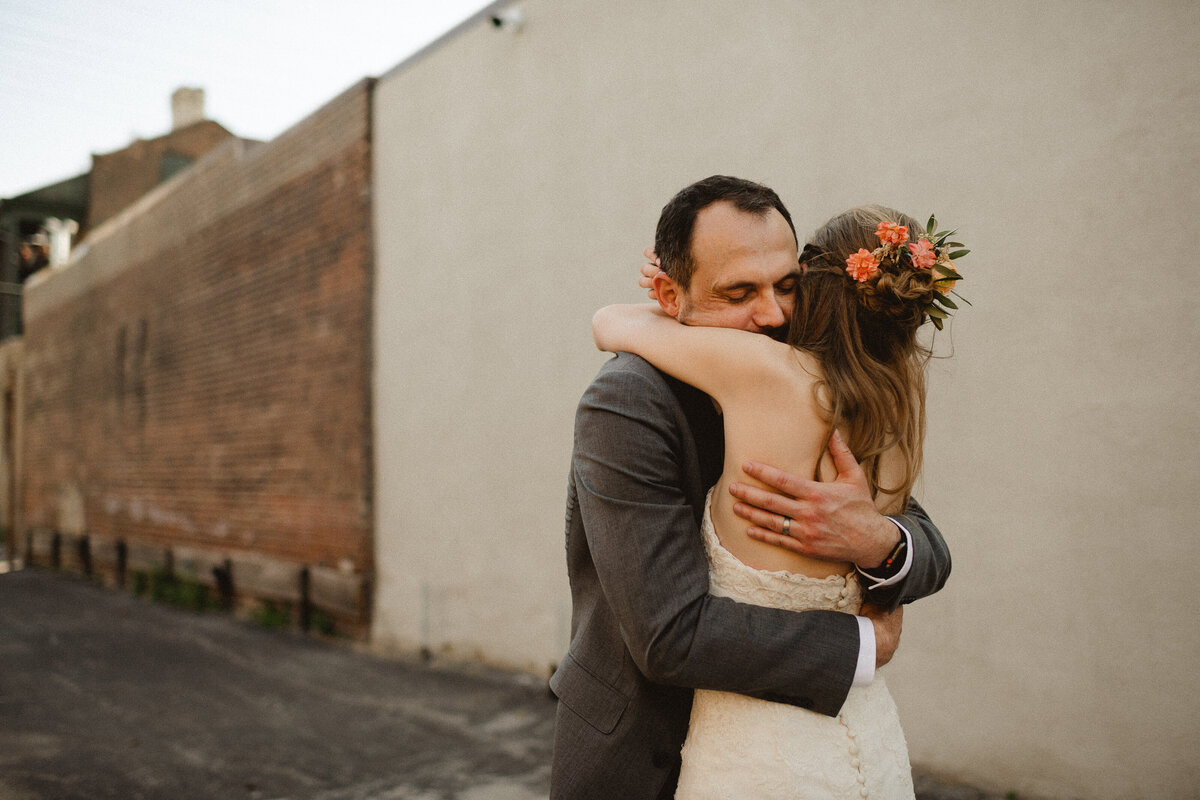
[(729, 577)]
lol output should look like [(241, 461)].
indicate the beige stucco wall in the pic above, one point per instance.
[(518, 177)]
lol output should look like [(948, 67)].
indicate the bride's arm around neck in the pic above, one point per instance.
[(717, 361)]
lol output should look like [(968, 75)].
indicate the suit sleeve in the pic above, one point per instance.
[(651, 564), (930, 562)]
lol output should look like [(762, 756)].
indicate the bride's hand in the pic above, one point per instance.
[(649, 269)]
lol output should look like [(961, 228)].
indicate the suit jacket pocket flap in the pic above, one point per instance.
[(588, 696)]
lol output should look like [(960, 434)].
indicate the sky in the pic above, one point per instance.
[(79, 77)]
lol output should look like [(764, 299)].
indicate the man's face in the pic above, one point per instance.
[(746, 271)]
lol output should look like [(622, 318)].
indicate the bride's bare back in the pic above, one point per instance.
[(765, 390), (775, 422)]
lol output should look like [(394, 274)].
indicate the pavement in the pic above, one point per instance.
[(108, 695)]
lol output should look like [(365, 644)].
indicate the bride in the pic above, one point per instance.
[(852, 367)]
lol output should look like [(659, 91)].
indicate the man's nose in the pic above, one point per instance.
[(768, 313)]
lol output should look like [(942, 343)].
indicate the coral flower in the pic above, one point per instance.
[(923, 255), (892, 233), (862, 265)]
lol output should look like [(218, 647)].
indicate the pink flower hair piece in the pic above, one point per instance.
[(923, 254)]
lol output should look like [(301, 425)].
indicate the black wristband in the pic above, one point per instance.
[(895, 559)]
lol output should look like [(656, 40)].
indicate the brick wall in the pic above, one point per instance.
[(197, 381)]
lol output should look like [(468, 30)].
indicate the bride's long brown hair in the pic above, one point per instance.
[(865, 337)]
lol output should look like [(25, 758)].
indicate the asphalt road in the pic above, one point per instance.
[(107, 695)]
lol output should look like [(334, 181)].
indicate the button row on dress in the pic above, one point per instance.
[(855, 761)]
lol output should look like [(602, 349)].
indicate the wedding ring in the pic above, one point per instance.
[(787, 526)]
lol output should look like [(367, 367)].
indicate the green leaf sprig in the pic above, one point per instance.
[(945, 276)]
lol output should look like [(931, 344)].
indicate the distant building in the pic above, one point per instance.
[(38, 228), (25, 238)]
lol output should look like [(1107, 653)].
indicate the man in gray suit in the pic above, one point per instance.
[(645, 631)]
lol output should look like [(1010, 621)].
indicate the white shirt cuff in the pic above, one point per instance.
[(877, 583), (864, 672)]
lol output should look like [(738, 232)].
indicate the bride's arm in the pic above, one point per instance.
[(714, 360)]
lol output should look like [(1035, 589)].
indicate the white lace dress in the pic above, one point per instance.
[(741, 748)]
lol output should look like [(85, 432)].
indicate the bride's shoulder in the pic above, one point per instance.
[(764, 370), (791, 363)]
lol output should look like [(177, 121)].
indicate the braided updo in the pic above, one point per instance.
[(901, 292)]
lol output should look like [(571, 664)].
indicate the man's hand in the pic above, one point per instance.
[(833, 521), (651, 268), (887, 631)]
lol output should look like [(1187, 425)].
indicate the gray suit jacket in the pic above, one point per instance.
[(644, 631)]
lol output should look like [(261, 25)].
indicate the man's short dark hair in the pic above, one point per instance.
[(673, 239)]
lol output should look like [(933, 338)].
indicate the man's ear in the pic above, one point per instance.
[(668, 293)]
